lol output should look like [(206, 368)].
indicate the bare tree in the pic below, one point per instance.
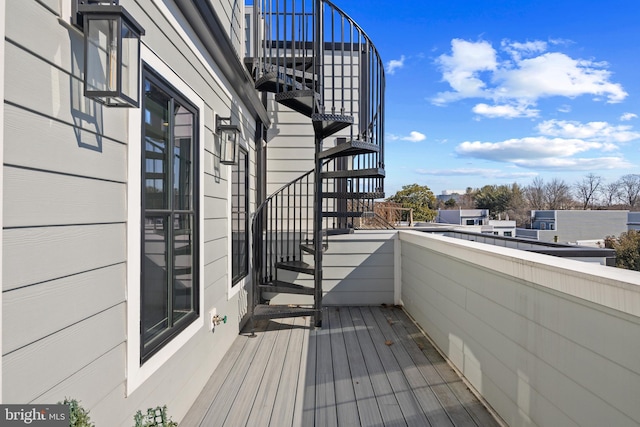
[(467, 199), (518, 208), (611, 193), (534, 193), (587, 190), (629, 186), (557, 194)]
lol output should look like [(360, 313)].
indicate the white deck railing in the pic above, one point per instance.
[(546, 341)]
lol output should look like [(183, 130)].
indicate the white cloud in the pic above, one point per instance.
[(576, 164), (564, 108), (461, 69), (594, 131), (518, 50), (518, 149), (524, 73), (395, 64), (562, 145), (485, 173), (414, 137), (556, 74), (505, 111), (628, 116)]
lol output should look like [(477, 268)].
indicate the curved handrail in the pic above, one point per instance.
[(355, 24)]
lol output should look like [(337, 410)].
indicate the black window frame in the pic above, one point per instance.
[(175, 327), (238, 273)]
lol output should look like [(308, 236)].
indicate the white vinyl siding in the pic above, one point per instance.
[(67, 176)]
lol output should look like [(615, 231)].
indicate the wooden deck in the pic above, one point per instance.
[(367, 366)]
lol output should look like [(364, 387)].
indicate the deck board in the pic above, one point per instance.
[(367, 366), (411, 411), (262, 404), (346, 407), (387, 401)]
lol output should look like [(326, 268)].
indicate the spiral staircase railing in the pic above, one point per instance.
[(319, 62)]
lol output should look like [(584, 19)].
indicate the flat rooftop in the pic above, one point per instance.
[(366, 366)]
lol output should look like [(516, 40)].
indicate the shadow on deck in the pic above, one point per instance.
[(367, 366)]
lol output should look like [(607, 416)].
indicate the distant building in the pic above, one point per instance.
[(572, 225), (502, 227), (633, 221), (463, 216)]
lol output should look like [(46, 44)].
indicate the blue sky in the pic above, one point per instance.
[(494, 92)]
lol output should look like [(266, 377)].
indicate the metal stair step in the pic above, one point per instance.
[(264, 311), (326, 125), (337, 231), (301, 76), (303, 101), (349, 147), (355, 173), (353, 195), (349, 214), (281, 287), (275, 83), (298, 62), (311, 249), (297, 266)]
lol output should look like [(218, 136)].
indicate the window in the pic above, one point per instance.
[(240, 218), (508, 234), (169, 283)]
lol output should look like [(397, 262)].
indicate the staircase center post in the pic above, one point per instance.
[(317, 233)]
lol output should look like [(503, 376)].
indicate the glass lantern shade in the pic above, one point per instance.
[(112, 55), (229, 141)]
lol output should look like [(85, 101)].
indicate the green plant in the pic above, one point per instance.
[(78, 416), (155, 417)]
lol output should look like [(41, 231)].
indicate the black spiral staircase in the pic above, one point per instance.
[(317, 61)]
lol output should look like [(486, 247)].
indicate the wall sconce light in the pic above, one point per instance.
[(111, 52), (228, 140)]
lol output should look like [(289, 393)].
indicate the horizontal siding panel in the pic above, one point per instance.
[(215, 271), (37, 142), (216, 185), (278, 153), (361, 247), (294, 130), (168, 44), (286, 177), (215, 229), (34, 198), (39, 31), (215, 208), (92, 383), (61, 302), (384, 272), (215, 249), (54, 5), (361, 260), (38, 86), (35, 369), (34, 255)]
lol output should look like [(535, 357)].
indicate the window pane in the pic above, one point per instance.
[(183, 163), (155, 316), (239, 226), (169, 290), (156, 115), (183, 294)]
